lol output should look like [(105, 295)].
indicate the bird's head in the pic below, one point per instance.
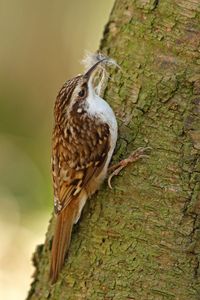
[(74, 93)]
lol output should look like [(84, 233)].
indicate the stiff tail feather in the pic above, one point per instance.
[(61, 241)]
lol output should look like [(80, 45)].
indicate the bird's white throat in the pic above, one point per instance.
[(99, 108)]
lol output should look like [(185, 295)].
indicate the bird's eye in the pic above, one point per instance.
[(82, 93)]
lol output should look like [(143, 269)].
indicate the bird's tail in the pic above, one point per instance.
[(61, 241)]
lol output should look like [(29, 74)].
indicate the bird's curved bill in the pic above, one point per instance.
[(93, 68)]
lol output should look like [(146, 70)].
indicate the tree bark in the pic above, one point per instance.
[(141, 240)]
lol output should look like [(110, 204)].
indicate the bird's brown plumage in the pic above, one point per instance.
[(79, 152)]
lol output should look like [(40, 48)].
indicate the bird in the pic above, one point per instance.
[(84, 138)]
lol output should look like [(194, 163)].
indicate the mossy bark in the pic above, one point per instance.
[(141, 240)]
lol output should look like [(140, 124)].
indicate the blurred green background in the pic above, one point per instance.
[(42, 44)]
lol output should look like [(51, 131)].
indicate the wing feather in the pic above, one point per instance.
[(76, 158)]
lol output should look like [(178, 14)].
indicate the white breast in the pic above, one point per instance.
[(98, 107)]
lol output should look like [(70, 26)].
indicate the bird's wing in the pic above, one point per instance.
[(77, 156)]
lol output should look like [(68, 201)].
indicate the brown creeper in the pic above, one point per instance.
[(84, 138)]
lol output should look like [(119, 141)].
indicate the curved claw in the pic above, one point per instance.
[(115, 173), (109, 181)]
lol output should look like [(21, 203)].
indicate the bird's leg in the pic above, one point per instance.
[(133, 157)]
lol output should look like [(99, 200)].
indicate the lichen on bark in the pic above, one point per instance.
[(141, 240)]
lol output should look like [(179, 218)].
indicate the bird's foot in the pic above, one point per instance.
[(133, 157)]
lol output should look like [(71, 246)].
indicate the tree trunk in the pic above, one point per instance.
[(141, 240)]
